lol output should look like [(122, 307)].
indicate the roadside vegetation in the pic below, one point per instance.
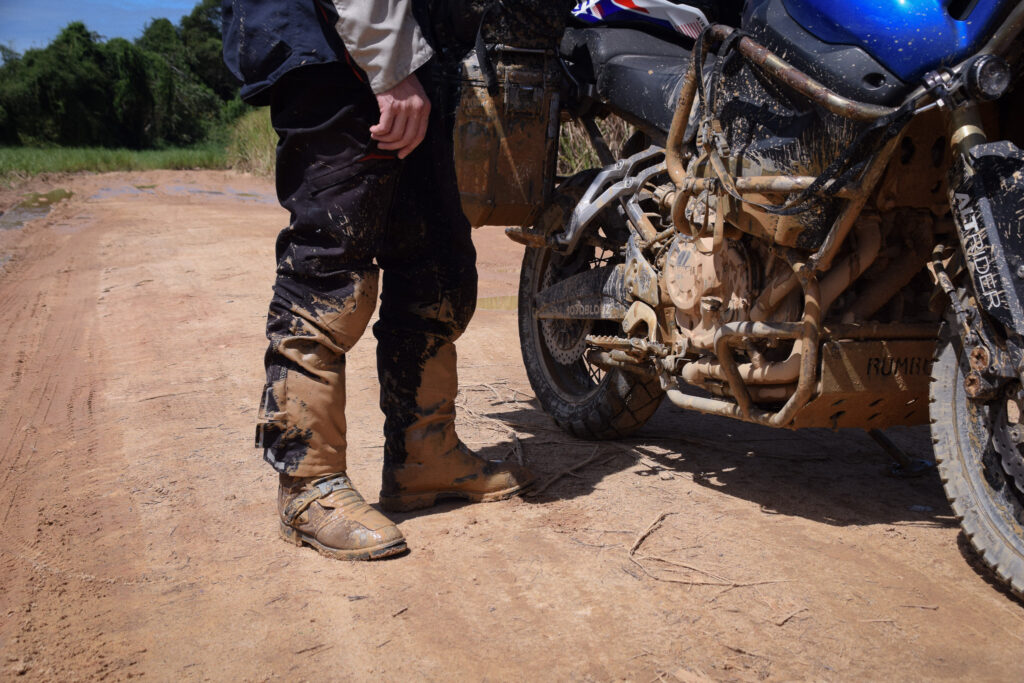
[(19, 163), (168, 88), (252, 143), (162, 101), (82, 103), (575, 152)]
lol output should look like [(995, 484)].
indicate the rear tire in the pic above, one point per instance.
[(584, 400), (983, 496)]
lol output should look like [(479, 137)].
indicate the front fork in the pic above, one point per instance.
[(987, 199)]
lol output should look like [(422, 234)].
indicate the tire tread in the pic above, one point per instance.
[(985, 532)]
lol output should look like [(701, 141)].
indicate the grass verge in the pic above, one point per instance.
[(251, 147), (575, 152), (253, 144), (18, 163)]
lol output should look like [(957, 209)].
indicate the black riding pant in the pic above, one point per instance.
[(357, 211)]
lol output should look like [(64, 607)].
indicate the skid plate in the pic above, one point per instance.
[(871, 384)]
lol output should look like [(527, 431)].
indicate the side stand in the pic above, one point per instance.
[(903, 465)]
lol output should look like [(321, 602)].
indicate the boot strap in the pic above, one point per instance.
[(321, 489)]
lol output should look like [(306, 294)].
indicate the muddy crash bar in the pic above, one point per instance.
[(851, 331), (806, 332), (787, 371), (803, 84), (767, 184), (1000, 43), (772, 65)]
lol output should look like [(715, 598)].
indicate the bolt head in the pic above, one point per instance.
[(1020, 272), (972, 384), (979, 358)]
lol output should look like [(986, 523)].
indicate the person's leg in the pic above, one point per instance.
[(338, 193), (428, 297)]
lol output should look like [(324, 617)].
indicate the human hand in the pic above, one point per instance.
[(404, 112)]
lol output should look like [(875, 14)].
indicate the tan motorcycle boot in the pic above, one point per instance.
[(328, 514), (426, 461), (457, 473)]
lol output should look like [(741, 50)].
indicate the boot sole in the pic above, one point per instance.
[(418, 501), (296, 537)]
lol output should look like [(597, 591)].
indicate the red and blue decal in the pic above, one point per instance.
[(689, 21)]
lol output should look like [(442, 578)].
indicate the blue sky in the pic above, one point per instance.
[(34, 23)]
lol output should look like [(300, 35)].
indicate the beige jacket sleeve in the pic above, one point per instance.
[(383, 38)]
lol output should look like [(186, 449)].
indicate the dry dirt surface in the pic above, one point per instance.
[(138, 533)]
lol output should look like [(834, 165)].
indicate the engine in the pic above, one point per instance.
[(708, 288)]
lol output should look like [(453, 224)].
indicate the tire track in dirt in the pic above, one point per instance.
[(119, 338), (45, 410), (140, 534)]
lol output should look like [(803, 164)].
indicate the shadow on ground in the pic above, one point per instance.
[(838, 478)]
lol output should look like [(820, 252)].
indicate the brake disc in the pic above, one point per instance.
[(1008, 448), (566, 339)]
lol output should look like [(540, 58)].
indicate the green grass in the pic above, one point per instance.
[(22, 162), (253, 144), (251, 147)]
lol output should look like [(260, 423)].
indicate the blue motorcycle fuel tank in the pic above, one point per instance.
[(909, 37)]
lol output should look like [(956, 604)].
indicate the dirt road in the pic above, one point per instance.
[(137, 529)]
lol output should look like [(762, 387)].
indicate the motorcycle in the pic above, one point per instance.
[(817, 223)]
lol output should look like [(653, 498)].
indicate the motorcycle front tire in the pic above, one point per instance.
[(984, 498)]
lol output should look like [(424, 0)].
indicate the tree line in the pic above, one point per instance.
[(167, 88)]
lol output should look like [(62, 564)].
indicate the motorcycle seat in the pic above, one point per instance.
[(638, 75)]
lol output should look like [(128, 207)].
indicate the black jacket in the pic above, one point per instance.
[(264, 39)]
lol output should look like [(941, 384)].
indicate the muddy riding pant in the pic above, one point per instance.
[(359, 217)]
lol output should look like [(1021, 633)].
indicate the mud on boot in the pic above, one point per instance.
[(458, 473), (329, 515)]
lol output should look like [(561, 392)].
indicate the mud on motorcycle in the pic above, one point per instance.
[(804, 231)]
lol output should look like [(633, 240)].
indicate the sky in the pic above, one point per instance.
[(26, 24)]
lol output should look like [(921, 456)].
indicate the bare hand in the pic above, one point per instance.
[(404, 112)]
